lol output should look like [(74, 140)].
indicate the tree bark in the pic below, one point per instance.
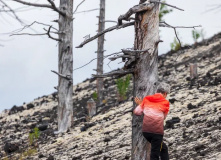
[(100, 52), (146, 74), (65, 67)]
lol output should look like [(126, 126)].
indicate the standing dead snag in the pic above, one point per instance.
[(146, 71), (100, 52), (65, 58), (141, 61)]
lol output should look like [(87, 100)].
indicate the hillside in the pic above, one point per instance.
[(192, 128)]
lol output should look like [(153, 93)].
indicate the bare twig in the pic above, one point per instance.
[(164, 24), (95, 59), (110, 21), (52, 6), (87, 11), (29, 34), (78, 6), (154, 1), (105, 31), (27, 26), (133, 10), (12, 11)]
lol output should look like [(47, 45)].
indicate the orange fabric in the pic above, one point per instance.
[(156, 101)]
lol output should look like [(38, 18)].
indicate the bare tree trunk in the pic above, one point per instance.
[(65, 62), (100, 52), (146, 74)]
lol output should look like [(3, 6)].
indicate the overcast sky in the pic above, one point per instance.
[(26, 61)]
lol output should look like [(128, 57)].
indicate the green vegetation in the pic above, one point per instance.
[(122, 86), (33, 137), (28, 153), (196, 35), (163, 11), (94, 96), (175, 46)]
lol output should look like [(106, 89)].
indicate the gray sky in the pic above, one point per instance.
[(26, 61)]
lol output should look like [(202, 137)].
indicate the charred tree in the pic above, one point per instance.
[(100, 52)]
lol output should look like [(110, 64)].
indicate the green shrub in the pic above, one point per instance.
[(33, 137), (195, 35), (163, 11), (122, 86), (94, 96), (27, 153), (175, 46)]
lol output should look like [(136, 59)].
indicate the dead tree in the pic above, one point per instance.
[(100, 52), (141, 61), (65, 56)]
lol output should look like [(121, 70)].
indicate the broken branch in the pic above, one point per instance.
[(68, 77), (133, 10)]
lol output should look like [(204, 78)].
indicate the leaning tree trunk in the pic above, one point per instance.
[(65, 67), (146, 75), (100, 52)]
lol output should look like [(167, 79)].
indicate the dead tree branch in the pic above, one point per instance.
[(86, 11), (95, 59), (133, 10), (153, 1), (52, 6), (68, 77), (164, 24), (29, 34), (120, 56), (134, 52), (103, 32), (49, 35), (114, 73), (78, 6), (12, 11), (28, 26)]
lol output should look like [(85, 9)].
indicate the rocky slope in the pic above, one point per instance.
[(192, 128)]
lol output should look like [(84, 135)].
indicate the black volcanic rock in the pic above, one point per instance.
[(16, 109), (42, 127), (10, 147), (50, 157), (30, 105), (190, 106), (170, 123), (172, 100)]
